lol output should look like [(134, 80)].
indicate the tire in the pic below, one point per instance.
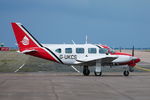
[(86, 72), (126, 73), (98, 73)]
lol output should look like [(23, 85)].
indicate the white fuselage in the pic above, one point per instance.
[(71, 57)]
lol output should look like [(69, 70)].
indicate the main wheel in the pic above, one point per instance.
[(98, 73), (126, 73), (86, 71)]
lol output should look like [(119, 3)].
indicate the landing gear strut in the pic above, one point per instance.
[(131, 69), (86, 71)]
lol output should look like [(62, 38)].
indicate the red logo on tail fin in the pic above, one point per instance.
[(25, 41)]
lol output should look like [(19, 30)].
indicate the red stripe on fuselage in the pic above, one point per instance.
[(130, 63), (42, 53), (120, 53)]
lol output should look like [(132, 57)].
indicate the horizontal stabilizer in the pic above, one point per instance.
[(28, 51)]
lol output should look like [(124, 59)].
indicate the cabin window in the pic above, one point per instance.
[(58, 50), (79, 50), (103, 50), (68, 50), (92, 50)]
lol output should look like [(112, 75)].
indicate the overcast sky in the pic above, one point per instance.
[(112, 22)]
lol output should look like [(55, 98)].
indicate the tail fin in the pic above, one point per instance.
[(24, 39)]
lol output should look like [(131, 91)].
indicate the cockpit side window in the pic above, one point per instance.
[(58, 50), (68, 50)]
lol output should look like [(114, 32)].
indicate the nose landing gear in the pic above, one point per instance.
[(126, 73), (131, 69)]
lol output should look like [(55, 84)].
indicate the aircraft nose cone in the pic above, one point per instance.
[(136, 60)]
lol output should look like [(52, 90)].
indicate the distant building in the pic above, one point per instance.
[(4, 48)]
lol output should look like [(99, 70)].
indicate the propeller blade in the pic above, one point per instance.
[(133, 51), (120, 49)]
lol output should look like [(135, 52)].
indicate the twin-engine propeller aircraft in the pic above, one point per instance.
[(71, 54)]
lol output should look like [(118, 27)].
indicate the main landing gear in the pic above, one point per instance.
[(86, 71), (98, 71)]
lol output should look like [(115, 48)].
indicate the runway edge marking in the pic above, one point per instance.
[(75, 69), (19, 68)]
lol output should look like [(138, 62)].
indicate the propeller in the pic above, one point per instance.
[(120, 49), (131, 69), (133, 51)]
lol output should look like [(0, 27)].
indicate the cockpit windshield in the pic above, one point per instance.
[(111, 50), (103, 50)]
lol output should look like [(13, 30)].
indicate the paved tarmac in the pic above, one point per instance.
[(73, 86)]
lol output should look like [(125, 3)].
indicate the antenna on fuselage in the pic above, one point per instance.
[(73, 42), (86, 39)]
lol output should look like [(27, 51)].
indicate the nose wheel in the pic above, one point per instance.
[(126, 73), (86, 71)]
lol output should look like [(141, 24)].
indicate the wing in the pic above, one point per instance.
[(102, 59)]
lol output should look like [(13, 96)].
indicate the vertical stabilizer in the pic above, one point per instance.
[(24, 39)]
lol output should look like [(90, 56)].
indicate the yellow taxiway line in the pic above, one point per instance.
[(141, 68)]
